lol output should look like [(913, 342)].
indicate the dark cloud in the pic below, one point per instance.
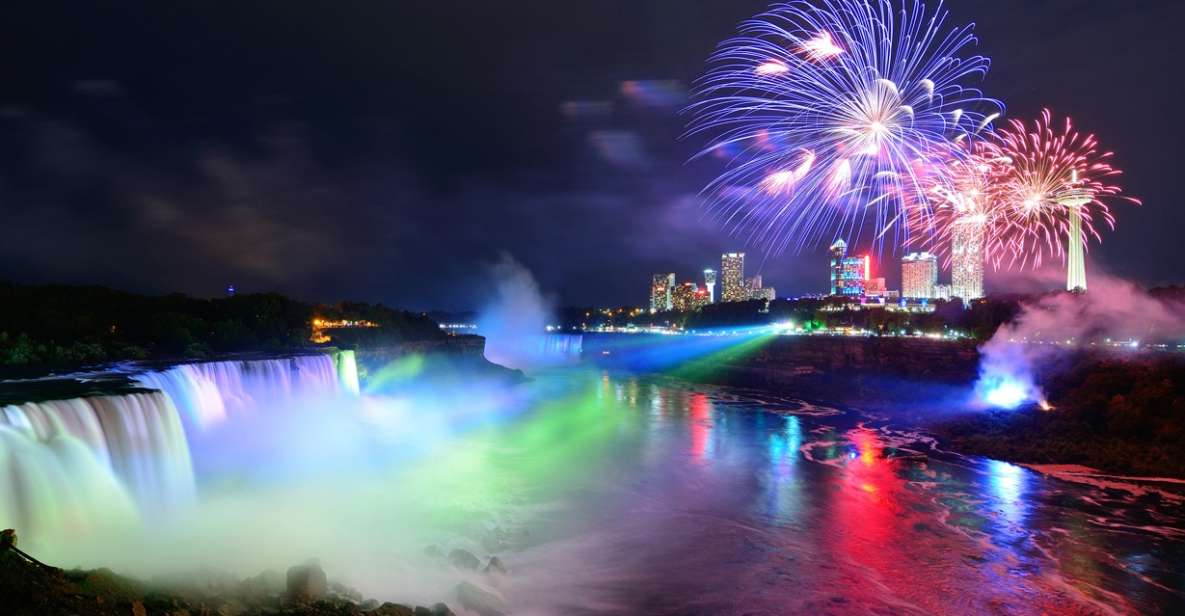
[(389, 153)]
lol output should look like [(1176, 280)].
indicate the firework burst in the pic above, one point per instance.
[(1048, 180), (832, 107), (958, 198)]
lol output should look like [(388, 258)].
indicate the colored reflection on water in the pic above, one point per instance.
[(831, 514)]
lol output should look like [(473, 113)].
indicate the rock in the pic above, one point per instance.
[(369, 604), (496, 566), (345, 592), (138, 609), (269, 583), (481, 600), (307, 582), (434, 552), (463, 559), (234, 607), (393, 609), (438, 609)]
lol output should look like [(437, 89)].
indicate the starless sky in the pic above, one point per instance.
[(392, 150)]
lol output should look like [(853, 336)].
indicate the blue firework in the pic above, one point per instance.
[(834, 109)]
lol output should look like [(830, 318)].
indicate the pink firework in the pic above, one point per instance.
[(1046, 177), (959, 200)]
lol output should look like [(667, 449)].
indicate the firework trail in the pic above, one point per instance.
[(958, 197), (1047, 177), (832, 108)]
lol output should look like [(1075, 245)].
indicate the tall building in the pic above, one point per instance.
[(919, 275), (662, 288), (732, 271), (689, 297), (839, 250), (966, 272), (710, 283), (1073, 200), (849, 275), (876, 287)]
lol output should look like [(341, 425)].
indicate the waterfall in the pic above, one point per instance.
[(563, 348), (67, 466), (347, 371), (208, 393), (64, 464)]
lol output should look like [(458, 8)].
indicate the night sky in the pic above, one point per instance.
[(392, 150)]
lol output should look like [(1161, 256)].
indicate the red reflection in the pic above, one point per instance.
[(700, 411), (868, 497)]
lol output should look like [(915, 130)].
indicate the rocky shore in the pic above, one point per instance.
[(1117, 412), (29, 587)]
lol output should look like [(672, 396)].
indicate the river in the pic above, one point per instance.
[(602, 492), (701, 500)]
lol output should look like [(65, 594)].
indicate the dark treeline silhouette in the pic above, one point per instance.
[(979, 320), (67, 325)]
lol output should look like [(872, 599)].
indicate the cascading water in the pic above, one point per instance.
[(70, 466), (64, 464), (207, 393), (563, 348), (347, 371)]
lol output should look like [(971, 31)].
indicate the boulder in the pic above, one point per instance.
[(393, 609), (496, 566), (484, 601), (269, 583), (307, 582), (464, 559)]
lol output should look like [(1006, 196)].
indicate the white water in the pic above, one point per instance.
[(209, 393), (71, 467)]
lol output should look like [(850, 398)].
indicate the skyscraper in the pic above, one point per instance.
[(684, 297), (919, 275), (849, 275), (966, 274), (710, 283), (662, 288), (838, 251), (732, 270)]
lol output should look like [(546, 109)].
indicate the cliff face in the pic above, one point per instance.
[(941, 361), (888, 372), (466, 346), (453, 360)]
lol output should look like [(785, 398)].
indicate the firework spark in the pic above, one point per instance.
[(1049, 177), (832, 106)]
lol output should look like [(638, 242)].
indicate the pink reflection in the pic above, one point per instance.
[(700, 411)]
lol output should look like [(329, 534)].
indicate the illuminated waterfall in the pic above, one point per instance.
[(347, 371), (70, 466), (65, 465), (562, 348), (208, 393)]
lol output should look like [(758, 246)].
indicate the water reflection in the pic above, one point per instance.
[(700, 417), (821, 513), (1007, 485)]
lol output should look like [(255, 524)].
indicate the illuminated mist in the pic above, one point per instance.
[(514, 323), (1115, 313)]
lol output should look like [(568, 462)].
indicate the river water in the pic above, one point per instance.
[(609, 492), (685, 499)]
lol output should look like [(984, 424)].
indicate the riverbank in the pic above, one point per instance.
[(29, 588), (1122, 414), (1118, 412)]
